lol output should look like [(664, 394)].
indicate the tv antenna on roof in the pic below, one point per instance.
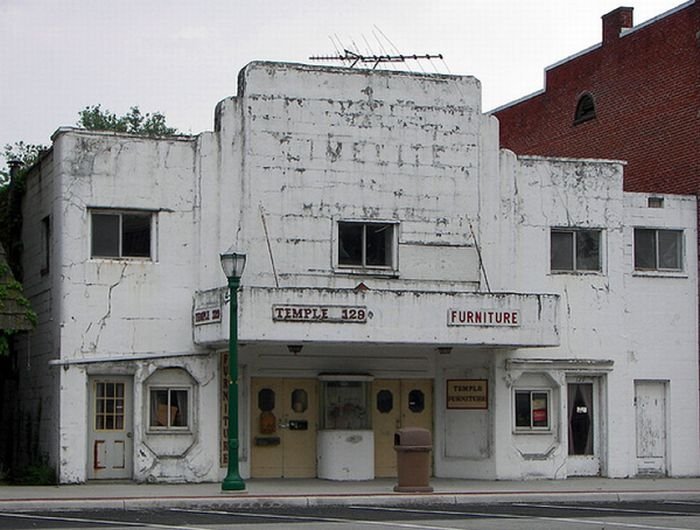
[(355, 58)]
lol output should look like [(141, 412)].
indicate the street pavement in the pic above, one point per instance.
[(315, 492)]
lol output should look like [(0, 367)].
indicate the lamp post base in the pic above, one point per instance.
[(233, 484)]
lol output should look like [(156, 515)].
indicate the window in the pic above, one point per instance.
[(345, 405), (575, 250), (532, 410), (121, 235), (365, 245), (585, 109), (169, 409), (109, 406), (45, 245), (658, 250)]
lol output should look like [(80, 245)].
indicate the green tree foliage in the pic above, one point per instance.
[(95, 118), (27, 154)]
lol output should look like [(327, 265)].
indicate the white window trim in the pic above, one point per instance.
[(121, 211), (389, 271), (575, 271), (152, 429), (550, 411)]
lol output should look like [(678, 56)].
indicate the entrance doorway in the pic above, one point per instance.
[(110, 434), (284, 422), (583, 426), (650, 415), (397, 403)]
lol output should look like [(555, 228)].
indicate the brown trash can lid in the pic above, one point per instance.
[(413, 436)]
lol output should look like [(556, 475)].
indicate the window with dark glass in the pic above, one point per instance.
[(585, 109), (365, 244), (169, 408), (575, 250), (45, 245), (416, 401), (385, 401), (121, 235), (658, 250), (531, 410), (345, 405)]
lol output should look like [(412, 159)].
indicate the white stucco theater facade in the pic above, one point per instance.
[(402, 270)]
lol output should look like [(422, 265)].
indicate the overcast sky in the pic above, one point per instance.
[(181, 57)]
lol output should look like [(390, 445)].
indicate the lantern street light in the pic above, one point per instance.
[(233, 263)]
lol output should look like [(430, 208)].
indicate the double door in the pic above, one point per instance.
[(284, 422), (398, 403)]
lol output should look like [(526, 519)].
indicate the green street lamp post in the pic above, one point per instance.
[(233, 263)]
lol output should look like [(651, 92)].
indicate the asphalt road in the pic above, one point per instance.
[(512, 516)]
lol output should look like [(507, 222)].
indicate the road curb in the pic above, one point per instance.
[(243, 500)]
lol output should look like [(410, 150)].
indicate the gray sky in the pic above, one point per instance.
[(181, 57)]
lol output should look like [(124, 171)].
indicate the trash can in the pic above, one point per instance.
[(413, 446)]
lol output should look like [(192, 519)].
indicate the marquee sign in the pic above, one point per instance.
[(206, 315), (320, 313), (482, 317)]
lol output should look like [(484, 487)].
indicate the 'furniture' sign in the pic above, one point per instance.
[(467, 394)]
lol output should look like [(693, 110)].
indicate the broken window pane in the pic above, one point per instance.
[(378, 245), (136, 236)]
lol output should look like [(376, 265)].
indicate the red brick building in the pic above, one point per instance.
[(633, 97)]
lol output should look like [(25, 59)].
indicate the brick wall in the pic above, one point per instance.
[(646, 87)]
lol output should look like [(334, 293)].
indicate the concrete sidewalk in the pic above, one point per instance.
[(308, 492)]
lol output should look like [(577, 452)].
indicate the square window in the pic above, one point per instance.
[(345, 405), (169, 409), (532, 410), (658, 250), (574, 250), (121, 235), (365, 245)]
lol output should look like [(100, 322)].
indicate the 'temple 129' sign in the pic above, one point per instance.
[(320, 313), (206, 315)]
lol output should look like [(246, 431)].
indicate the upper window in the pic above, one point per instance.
[(585, 109), (658, 250), (366, 245), (532, 410), (169, 409), (575, 250), (121, 234)]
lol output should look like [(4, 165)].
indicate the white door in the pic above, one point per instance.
[(650, 414), (110, 437), (583, 427)]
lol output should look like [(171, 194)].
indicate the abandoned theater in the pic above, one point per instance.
[(402, 271)]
